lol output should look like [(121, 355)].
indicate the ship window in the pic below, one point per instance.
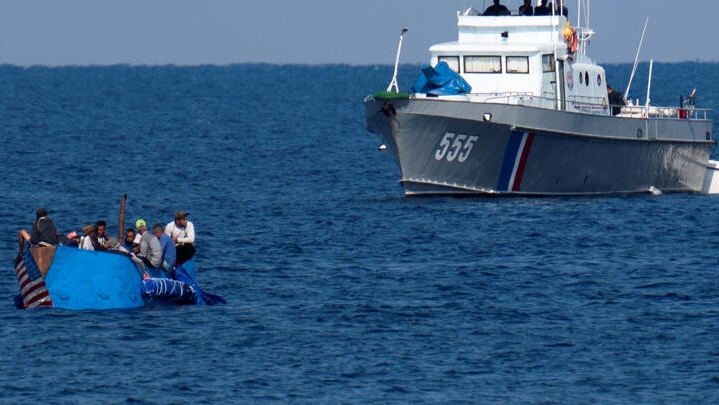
[(586, 78), (548, 63), (452, 61), (599, 80), (482, 64), (517, 64), (581, 78)]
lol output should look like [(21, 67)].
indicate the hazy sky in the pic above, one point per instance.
[(191, 32)]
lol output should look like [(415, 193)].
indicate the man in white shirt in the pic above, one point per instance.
[(182, 233)]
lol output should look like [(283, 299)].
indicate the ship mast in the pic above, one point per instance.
[(393, 83), (636, 60)]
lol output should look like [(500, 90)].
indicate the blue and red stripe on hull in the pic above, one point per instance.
[(515, 161)]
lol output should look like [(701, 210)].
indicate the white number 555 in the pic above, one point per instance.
[(455, 146)]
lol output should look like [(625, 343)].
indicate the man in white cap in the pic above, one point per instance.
[(182, 233)]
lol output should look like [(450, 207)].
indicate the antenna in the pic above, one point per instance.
[(393, 83), (649, 89), (636, 60), (579, 14)]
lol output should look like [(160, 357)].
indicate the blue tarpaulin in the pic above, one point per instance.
[(171, 290), (440, 80), (182, 289)]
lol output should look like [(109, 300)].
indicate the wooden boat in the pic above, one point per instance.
[(71, 278)]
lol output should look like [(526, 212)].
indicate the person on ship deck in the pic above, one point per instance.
[(526, 8), (542, 9), (615, 99), (559, 7), (497, 9)]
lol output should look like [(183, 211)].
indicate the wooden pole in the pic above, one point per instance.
[(121, 220)]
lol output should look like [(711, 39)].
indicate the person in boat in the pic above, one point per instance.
[(129, 242), (127, 247), (542, 9), (114, 245), (149, 250), (102, 237), (169, 253), (496, 9), (88, 240), (182, 232), (43, 231), (615, 99), (526, 8), (72, 239)]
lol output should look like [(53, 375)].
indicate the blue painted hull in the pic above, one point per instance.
[(81, 279)]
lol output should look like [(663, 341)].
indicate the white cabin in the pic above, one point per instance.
[(508, 58)]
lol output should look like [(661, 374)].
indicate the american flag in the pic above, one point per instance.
[(32, 285)]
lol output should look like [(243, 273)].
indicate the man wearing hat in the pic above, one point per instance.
[(182, 233), (149, 250)]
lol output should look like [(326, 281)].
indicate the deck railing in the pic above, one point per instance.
[(590, 105)]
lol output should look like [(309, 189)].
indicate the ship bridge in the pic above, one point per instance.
[(527, 55)]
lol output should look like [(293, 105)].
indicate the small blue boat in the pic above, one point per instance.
[(71, 278)]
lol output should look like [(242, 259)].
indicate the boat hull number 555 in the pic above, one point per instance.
[(455, 147)]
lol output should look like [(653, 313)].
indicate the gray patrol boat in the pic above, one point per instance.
[(515, 106)]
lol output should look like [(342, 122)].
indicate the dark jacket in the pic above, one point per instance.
[(43, 230), (542, 10), (496, 10), (616, 101)]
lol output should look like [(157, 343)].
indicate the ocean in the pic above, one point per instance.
[(339, 288)]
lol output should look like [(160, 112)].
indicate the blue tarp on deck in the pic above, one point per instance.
[(440, 80)]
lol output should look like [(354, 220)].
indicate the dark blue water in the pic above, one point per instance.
[(340, 289)]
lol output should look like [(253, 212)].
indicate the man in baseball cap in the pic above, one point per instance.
[(182, 233), (149, 249)]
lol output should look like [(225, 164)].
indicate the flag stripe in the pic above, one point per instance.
[(32, 285)]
